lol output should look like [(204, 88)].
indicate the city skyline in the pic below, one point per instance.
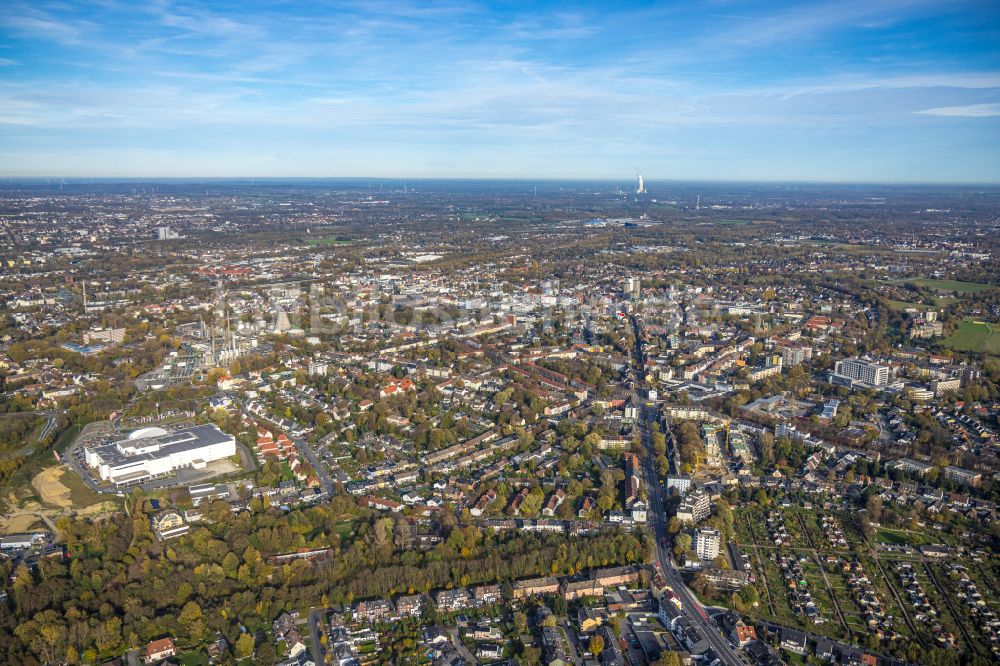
[(903, 91)]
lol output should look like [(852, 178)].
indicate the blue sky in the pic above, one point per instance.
[(842, 90)]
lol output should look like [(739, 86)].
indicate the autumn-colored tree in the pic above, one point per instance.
[(244, 646)]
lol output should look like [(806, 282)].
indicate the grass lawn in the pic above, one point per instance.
[(196, 658), (345, 529), (974, 335), (904, 537), (79, 493), (794, 658), (947, 285), (894, 537)]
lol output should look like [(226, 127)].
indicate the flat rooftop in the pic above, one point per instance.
[(178, 441)]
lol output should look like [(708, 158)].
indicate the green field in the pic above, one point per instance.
[(900, 537), (900, 306), (327, 241), (946, 285), (974, 335)]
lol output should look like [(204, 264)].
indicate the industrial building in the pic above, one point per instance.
[(153, 452)]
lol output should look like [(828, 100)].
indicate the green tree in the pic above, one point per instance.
[(682, 543), (559, 606), (748, 595)]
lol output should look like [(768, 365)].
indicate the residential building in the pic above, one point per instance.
[(909, 466), (375, 610), (159, 650), (965, 477), (536, 586), (410, 605), (452, 600), (168, 524), (486, 595), (863, 372), (695, 507), (706, 543), (679, 484), (942, 386), (794, 640), (792, 355)]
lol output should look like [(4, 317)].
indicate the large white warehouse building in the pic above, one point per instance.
[(152, 452)]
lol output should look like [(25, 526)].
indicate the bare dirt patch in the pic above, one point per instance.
[(54, 492), (20, 522), (51, 489)]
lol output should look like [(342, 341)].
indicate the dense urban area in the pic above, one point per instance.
[(353, 422)]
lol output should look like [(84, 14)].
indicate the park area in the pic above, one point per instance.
[(974, 335)]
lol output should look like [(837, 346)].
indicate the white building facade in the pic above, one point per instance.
[(153, 452), (706, 543)]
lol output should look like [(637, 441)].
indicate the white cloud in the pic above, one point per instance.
[(967, 111)]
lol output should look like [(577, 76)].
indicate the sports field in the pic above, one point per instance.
[(974, 335), (946, 285)]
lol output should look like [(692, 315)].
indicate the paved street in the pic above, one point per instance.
[(317, 617), (460, 646), (575, 649), (690, 606), (304, 448)]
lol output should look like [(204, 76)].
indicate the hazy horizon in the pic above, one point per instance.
[(386, 181)]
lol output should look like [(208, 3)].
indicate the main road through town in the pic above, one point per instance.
[(690, 605)]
